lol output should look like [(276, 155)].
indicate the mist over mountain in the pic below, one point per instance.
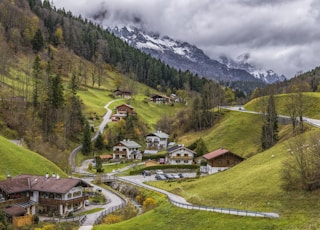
[(184, 56)]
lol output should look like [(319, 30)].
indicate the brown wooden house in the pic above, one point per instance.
[(160, 99), (221, 159), (122, 93), (43, 194), (125, 109)]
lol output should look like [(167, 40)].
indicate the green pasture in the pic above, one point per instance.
[(17, 160)]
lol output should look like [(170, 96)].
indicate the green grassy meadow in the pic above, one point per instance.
[(17, 160), (311, 105)]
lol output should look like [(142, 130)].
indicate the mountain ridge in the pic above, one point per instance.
[(185, 56)]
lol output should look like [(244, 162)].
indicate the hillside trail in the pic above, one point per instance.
[(106, 119)]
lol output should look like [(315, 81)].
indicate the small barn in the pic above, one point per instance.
[(221, 159)]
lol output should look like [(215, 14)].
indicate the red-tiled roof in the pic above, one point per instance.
[(215, 153)]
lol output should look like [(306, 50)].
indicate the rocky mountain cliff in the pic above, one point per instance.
[(184, 56)]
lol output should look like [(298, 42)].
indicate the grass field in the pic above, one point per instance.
[(17, 160), (311, 104)]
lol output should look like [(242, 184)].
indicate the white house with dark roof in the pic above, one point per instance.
[(156, 141), (127, 149), (44, 194), (179, 154)]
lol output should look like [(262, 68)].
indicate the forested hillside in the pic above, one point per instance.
[(48, 55)]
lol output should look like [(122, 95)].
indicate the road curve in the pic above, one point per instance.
[(239, 108), (106, 119)]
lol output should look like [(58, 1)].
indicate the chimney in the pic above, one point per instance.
[(47, 175), (9, 177), (58, 177), (53, 175)]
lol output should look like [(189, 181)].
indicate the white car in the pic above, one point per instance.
[(159, 171)]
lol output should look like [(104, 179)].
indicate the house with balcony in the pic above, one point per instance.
[(179, 154), (160, 99), (127, 149), (43, 195), (156, 141), (123, 111), (220, 160)]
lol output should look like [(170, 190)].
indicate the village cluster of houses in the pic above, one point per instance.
[(176, 154), (51, 194), (217, 160)]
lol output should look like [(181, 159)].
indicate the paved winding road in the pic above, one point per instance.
[(105, 121), (311, 121)]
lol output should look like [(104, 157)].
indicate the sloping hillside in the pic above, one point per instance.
[(17, 160)]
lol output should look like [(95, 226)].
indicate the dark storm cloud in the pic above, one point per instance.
[(279, 34)]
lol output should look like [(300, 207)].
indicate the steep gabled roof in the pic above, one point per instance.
[(178, 147), (52, 184), (159, 134), (126, 105), (129, 144), (218, 152)]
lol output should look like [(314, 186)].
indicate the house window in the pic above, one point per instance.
[(178, 155), (186, 161), (235, 162), (227, 162), (185, 154), (219, 162), (69, 195), (177, 161)]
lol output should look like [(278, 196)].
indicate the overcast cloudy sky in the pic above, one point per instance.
[(282, 35)]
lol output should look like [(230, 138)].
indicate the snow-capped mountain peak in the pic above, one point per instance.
[(184, 56)]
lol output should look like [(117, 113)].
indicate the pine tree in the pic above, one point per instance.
[(99, 164), (98, 144), (36, 81), (37, 41), (270, 125), (86, 142)]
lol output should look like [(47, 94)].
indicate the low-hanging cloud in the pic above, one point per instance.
[(282, 35)]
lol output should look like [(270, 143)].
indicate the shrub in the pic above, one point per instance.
[(149, 203), (112, 219)]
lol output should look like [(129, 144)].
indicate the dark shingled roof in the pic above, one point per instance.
[(40, 183)]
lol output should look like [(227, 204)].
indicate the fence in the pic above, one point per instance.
[(211, 209), (108, 211), (79, 219)]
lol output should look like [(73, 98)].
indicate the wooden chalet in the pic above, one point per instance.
[(160, 99), (122, 93), (43, 194), (221, 159)]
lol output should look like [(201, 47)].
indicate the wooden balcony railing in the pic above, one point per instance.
[(7, 203), (180, 158), (50, 201)]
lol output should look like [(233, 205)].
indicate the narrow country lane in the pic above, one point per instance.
[(106, 119)]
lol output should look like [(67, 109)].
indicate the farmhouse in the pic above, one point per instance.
[(157, 141), (127, 149), (43, 194), (179, 154), (221, 159), (122, 111), (160, 99), (122, 93)]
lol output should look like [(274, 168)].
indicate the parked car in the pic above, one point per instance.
[(180, 175), (159, 171), (176, 176), (86, 203), (160, 177), (169, 176), (146, 173)]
